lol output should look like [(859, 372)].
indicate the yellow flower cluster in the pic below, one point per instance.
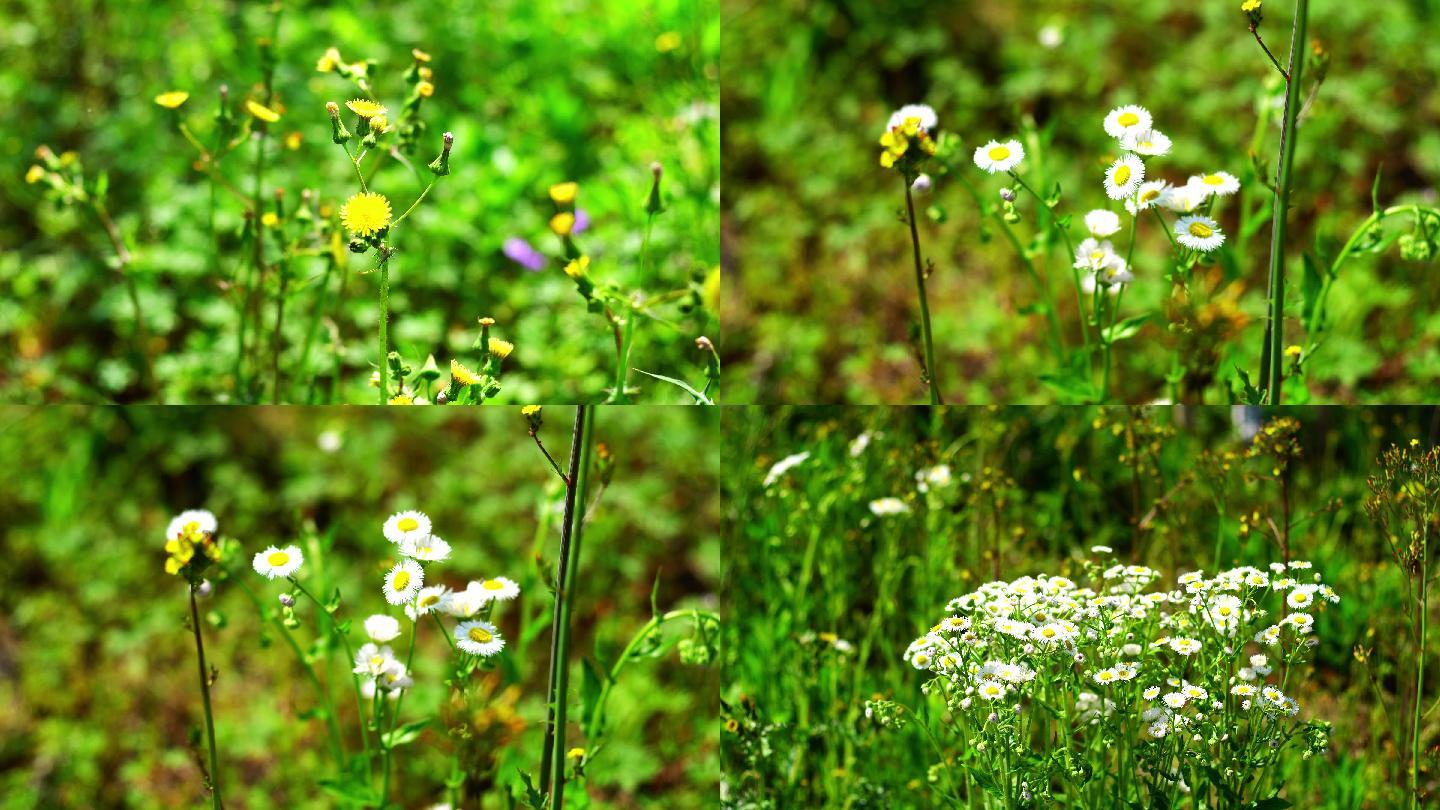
[(181, 548), (1250, 5), (898, 140)]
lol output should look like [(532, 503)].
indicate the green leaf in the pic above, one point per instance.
[(1375, 190), (406, 734), (681, 384), (1072, 388), (1250, 395), (1125, 329), (351, 791), (985, 781), (1272, 803), (534, 799), (591, 684)]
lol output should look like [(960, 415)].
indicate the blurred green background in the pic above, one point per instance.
[(820, 289), (537, 93), (1031, 490), (97, 669)]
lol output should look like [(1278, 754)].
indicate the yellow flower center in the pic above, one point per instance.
[(479, 634), (1128, 119), (1214, 180), (429, 600), (1150, 194), (277, 558), (1122, 175), (999, 152), (402, 580), (1201, 230), (1096, 255), (365, 108), (493, 585), (408, 524), (376, 661)]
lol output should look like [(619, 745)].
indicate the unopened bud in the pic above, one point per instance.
[(653, 204), (1007, 194), (204, 589), (922, 184), (441, 165), (287, 600), (338, 133), (703, 344)]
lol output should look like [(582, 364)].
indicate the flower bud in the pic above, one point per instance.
[(287, 600), (441, 165), (1007, 194), (204, 589), (922, 184), (338, 133), (653, 204)]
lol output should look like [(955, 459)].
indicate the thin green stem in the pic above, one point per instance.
[(384, 269), (205, 694), (1424, 605), (402, 217), (924, 302), (1272, 365), (552, 769), (349, 657)]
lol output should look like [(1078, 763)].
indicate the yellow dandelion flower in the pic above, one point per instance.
[(329, 61), (462, 375), (365, 108), (562, 223), (365, 214), (379, 124), (420, 56), (426, 73), (172, 99), (563, 193), (425, 89), (269, 219), (262, 112), (1293, 351), (667, 42), (402, 399), (35, 174), (529, 410), (575, 753), (1250, 5), (173, 566), (577, 267), (292, 141), (501, 348)]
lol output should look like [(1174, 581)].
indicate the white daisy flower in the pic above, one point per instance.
[(990, 689), (888, 506), (1123, 178), (1115, 273), (1175, 700), (1150, 195), (1198, 233), (1151, 692), (429, 549), (923, 113), (1106, 676), (499, 589), (1182, 199), (395, 677), (403, 582), (372, 659), (368, 689), (783, 466), (1102, 223), (478, 638), (1301, 598), (995, 156), (1220, 184), (1185, 646), (403, 527), (1153, 143), (1242, 690), (278, 562), (428, 600), (1128, 120), (191, 521), (382, 628), (1093, 254)]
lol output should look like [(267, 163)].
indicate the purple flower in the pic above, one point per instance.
[(582, 221), (519, 251)]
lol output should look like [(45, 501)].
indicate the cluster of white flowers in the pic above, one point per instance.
[(405, 585), (1182, 651)]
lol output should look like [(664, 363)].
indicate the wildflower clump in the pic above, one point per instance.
[(909, 139), (191, 546), (1132, 678)]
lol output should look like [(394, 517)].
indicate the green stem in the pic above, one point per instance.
[(1272, 366), (1420, 667), (350, 659), (384, 269), (277, 339), (622, 355), (552, 770), (924, 302), (205, 693), (400, 700)]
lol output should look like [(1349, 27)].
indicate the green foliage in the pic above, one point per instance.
[(100, 680), (853, 550)]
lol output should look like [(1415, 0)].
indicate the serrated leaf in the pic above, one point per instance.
[(681, 384), (985, 781)]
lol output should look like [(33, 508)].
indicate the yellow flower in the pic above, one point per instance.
[(577, 268), (462, 375), (501, 348), (365, 214), (529, 410), (35, 174), (402, 399), (562, 223), (172, 99), (575, 753), (563, 193), (425, 89), (173, 566), (262, 112), (1293, 351), (292, 141), (667, 42), (420, 56), (269, 219), (379, 124), (1250, 5), (329, 61), (365, 108)]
